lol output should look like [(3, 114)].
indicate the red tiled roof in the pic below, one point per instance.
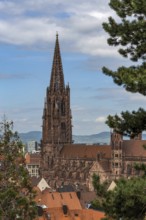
[(92, 214), (56, 200), (33, 158), (85, 151), (134, 148), (87, 197), (84, 214)]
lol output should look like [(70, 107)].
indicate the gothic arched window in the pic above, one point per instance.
[(62, 108), (129, 169), (63, 126)]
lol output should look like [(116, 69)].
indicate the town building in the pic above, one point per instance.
[(33, 161), (40, 183), (63, 206), (32, 146), (63, 162)]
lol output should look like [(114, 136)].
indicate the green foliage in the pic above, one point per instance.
[(141, 167), (144, 146), (130, 34), (129, 123), (127, 200), (97, 204), (132, 78), (16, 193), (101, 189)]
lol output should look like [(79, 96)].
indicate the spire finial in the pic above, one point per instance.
[(57, 77), (57, 34)]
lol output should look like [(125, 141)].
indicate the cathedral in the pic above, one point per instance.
[(62, 161)]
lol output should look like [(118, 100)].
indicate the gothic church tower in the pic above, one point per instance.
[(117, 154), (57, 127)]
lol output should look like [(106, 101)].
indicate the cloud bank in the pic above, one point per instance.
[(34, 23)]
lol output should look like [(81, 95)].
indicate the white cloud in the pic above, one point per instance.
[(35, 23), (25, 119), (77, 108), (101, 119), (99, 15), (138, 98), (25, 31), (21, 120)]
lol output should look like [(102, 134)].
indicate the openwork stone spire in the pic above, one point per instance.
[(57, 78), (57, 127)]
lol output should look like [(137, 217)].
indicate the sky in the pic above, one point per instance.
[(27, 36)]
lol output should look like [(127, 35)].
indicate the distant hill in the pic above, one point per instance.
[(31, 136), (103, 137)]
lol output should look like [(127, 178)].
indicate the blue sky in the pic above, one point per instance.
[(27, 36)]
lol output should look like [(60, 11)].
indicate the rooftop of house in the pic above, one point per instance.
[(33, 158), (86, 198), (35, 180), (57, 200), (64, 206), (66, 188), (84, 214)]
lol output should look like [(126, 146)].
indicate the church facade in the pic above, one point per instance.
[(63, 162)]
